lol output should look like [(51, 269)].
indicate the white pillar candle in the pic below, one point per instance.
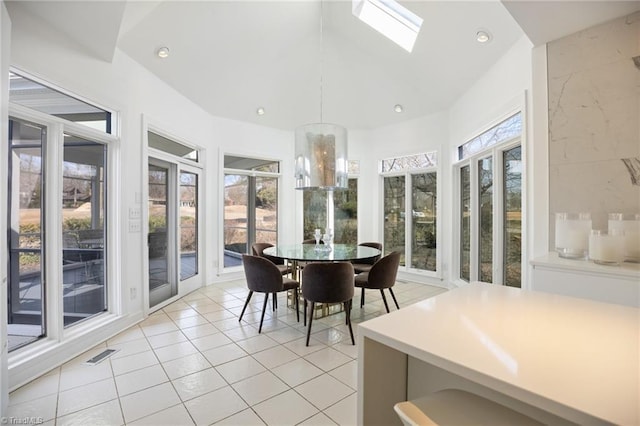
[(606, 249), (572, 234), (631, 228)]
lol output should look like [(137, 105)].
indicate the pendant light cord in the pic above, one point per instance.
[(321, 55)]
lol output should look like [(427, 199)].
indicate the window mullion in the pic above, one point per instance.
[(475, 221), (53, 232), (251, 211), (408, 220), (499, 217)]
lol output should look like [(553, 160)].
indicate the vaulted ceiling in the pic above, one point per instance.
[(303, 61)]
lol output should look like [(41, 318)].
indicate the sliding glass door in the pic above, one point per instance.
[(174, 177)]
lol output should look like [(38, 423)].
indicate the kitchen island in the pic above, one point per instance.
[(555, 358)]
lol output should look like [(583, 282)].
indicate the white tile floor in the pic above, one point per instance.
[(194, 363)]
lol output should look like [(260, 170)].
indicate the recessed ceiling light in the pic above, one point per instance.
[(163, 52), (483, 36), (260, 111), (398, 108)]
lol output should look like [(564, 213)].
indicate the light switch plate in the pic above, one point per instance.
[(135, 226), (135, 212)]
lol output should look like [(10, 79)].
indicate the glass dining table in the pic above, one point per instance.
[(296, 253)]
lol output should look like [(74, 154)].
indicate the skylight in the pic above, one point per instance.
[(390, 19)]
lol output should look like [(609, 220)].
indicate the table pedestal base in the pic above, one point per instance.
[(321, 309)]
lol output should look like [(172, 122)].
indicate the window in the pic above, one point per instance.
[(506, 130), (31, 94), (465, 223), (47, 126), (250, 205), (188, 224), (418, 161), (410, 209), (27, 286), (512, 180), (490, 194), (485, 196), (345, 213), (423, 221), (394, 215), (83, 230), (390, 19)]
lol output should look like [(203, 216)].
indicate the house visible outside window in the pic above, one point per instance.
[(46, 124), (490, 171), (410, 195)]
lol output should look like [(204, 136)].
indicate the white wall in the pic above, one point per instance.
[(130, 90), (5, 46)]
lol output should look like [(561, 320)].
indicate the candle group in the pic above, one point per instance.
[(576, 240)]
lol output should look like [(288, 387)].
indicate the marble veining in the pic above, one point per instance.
[(594, 121)]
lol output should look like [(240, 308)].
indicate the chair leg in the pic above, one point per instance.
[(274, 302), (245, 304), (362, 298), (384, 299), (310, 321), (394, 298), (264, 308), (304, 313), (295, 294), (347, 308)]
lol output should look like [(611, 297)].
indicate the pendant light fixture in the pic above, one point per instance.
[(321, 148)]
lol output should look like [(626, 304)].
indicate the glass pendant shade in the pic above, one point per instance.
[(321, 157)]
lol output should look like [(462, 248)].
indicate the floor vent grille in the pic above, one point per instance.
[(101, 356)]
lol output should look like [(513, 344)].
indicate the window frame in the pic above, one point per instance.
[(176, 164), (408, 199), (251, 174), (496, 153), (53, 174)]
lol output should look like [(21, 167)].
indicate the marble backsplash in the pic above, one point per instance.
[(594, 121)]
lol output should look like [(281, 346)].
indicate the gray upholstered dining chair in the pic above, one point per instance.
[(328, 282), (365, 265), (258, 250), (264, 277), (381, 275)]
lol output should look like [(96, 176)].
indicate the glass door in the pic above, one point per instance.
[(162, 270)]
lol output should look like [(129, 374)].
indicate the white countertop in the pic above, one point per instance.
[(562, 354)]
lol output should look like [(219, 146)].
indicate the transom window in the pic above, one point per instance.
[(33, 95), (409, 162), (502, 132)]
